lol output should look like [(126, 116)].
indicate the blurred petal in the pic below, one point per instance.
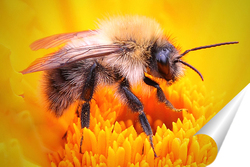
[(28, 132)]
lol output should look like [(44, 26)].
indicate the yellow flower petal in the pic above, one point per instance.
[(22, 114)]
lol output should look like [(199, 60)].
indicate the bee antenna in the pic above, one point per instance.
[(207, 46), (190, 66)]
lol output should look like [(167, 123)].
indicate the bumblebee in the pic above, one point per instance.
[(120, 52)]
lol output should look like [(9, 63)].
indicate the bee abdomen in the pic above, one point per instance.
[(64, 86), (59, 91)]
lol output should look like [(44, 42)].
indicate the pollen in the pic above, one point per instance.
[(115, 137)]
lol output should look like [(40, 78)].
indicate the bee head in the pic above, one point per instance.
[(168, 68), (169, 61)]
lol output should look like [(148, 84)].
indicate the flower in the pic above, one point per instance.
[(115, 138), (29, 134)]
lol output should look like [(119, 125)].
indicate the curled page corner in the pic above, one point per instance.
[(218, 126)]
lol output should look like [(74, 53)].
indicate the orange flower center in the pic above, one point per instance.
[(115, 136)]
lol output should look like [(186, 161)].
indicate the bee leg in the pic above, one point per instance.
[(136, 106), (160, 95), (87, 94)]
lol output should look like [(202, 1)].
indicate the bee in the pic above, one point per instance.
[(120, 52)]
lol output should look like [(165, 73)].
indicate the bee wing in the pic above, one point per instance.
[(69, 55), (58, 39)]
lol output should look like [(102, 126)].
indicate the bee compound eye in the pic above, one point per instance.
[(162, 56)]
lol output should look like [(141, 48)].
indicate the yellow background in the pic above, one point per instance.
[(191, 24)]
